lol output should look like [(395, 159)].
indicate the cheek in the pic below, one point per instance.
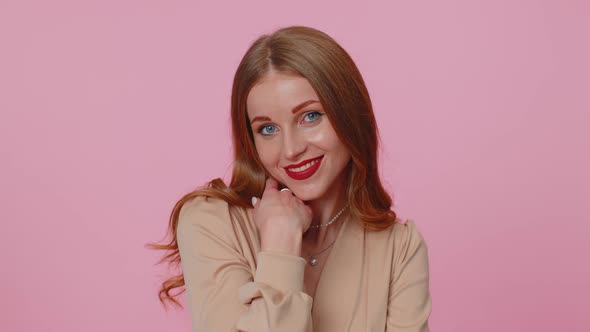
[(334, 146), (267, 152), (328, 141)]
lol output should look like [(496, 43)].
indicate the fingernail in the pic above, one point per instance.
[(254, 200)]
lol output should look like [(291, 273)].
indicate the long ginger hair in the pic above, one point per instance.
[(342, 92)]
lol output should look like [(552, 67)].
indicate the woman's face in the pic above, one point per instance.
[(293, 136)]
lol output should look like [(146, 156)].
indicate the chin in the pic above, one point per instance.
[(309, 191), (308, 194)]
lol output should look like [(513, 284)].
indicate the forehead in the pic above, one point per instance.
[(278, 91)]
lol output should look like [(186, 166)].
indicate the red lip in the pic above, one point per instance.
[(306, 173), (302, 163)]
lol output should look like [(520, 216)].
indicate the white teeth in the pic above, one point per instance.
[(304, 167)]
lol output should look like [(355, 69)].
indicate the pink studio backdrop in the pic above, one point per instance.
[(111, 110)]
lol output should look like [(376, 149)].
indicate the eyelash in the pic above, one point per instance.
[(261, 128)]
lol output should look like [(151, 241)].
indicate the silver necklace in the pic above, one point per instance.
[(313, 259), (331, 220)]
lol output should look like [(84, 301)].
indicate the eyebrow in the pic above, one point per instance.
[(294, 110)]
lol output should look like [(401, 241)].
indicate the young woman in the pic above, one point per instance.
[(304, 237)]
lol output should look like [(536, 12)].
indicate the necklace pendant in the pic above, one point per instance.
[(313, 261)]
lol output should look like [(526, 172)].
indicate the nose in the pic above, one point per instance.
[(293, 145)]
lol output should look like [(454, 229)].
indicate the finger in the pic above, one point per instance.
[(287, 192), (271, 185)]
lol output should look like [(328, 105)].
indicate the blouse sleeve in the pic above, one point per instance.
[(409, 295), (223, 293)]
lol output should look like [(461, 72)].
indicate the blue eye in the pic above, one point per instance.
[(314, 118), (262, 130)]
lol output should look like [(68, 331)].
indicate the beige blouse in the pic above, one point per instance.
[(372, 281)]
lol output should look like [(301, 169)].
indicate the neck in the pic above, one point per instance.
[(324, 209)]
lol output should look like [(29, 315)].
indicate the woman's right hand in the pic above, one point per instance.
[(281, 219)]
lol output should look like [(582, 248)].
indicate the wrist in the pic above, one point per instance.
[(281, 241)]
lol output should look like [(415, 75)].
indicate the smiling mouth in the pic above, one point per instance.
[(304, 171)]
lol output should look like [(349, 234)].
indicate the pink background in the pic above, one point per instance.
[(111, 110)]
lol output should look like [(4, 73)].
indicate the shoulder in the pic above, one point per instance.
[(202, 206), (407, 233), (408, 243), (207, 218), (203, 214)]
